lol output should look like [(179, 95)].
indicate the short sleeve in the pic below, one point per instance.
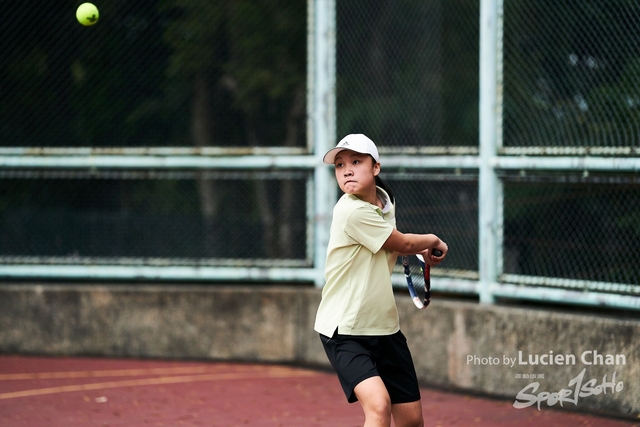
[(366, 226)]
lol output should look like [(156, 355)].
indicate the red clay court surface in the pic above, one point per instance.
[(70, 392)]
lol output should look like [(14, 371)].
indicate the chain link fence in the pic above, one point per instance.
[(192, 75), (571, 81), (579, 231), (155, 217), (154, 73), (571, 72), (180, 81), (407, 73)]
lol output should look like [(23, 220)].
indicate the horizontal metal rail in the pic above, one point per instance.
[(570, 151), (159, 162), (147, 272), (151, 151), (582, 285), (620, 164), (564, 296), (292, 161)]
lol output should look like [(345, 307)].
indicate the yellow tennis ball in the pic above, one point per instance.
[(87, 14)]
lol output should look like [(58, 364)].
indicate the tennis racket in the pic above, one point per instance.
[(418, 278)]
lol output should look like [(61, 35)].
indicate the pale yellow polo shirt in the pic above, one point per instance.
[(358, 296)]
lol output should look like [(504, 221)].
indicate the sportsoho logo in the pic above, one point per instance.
[(577, 388)]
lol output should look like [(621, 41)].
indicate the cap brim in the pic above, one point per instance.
[(330, 156)]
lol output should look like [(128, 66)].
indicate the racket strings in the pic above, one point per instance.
[(426, 274), (416, 272)]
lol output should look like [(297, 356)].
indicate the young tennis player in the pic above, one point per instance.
[(357, 318)]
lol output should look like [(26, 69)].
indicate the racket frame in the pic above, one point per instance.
[(426, 270)]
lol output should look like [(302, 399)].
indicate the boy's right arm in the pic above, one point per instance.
[(410, 244)]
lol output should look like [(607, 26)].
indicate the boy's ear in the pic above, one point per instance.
[(376, 169)]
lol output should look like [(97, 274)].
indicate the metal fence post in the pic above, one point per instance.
[(321, 119), (490, 187)]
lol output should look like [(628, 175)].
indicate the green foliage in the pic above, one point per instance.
[(250, 58)]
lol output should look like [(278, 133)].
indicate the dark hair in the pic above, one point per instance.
[(380, 183)]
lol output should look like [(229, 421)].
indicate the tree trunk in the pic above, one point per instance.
[(202, 136), (267, 216), (288, 194)]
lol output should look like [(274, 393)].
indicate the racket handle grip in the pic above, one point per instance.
[(436, 252)]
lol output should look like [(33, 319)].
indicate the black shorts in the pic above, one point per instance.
[(356, 358)]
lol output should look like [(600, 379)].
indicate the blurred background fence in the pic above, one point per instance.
[(182, 139)]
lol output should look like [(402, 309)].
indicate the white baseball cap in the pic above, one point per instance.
[(355, 142)]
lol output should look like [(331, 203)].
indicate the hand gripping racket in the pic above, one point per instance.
[(418, 276)]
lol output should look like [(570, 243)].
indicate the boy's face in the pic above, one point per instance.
[(355, 173)]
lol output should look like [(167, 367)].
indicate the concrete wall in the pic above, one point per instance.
[(456, 345)]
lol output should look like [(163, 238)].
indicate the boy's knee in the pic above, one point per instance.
[(381, 405), (378, 408)]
